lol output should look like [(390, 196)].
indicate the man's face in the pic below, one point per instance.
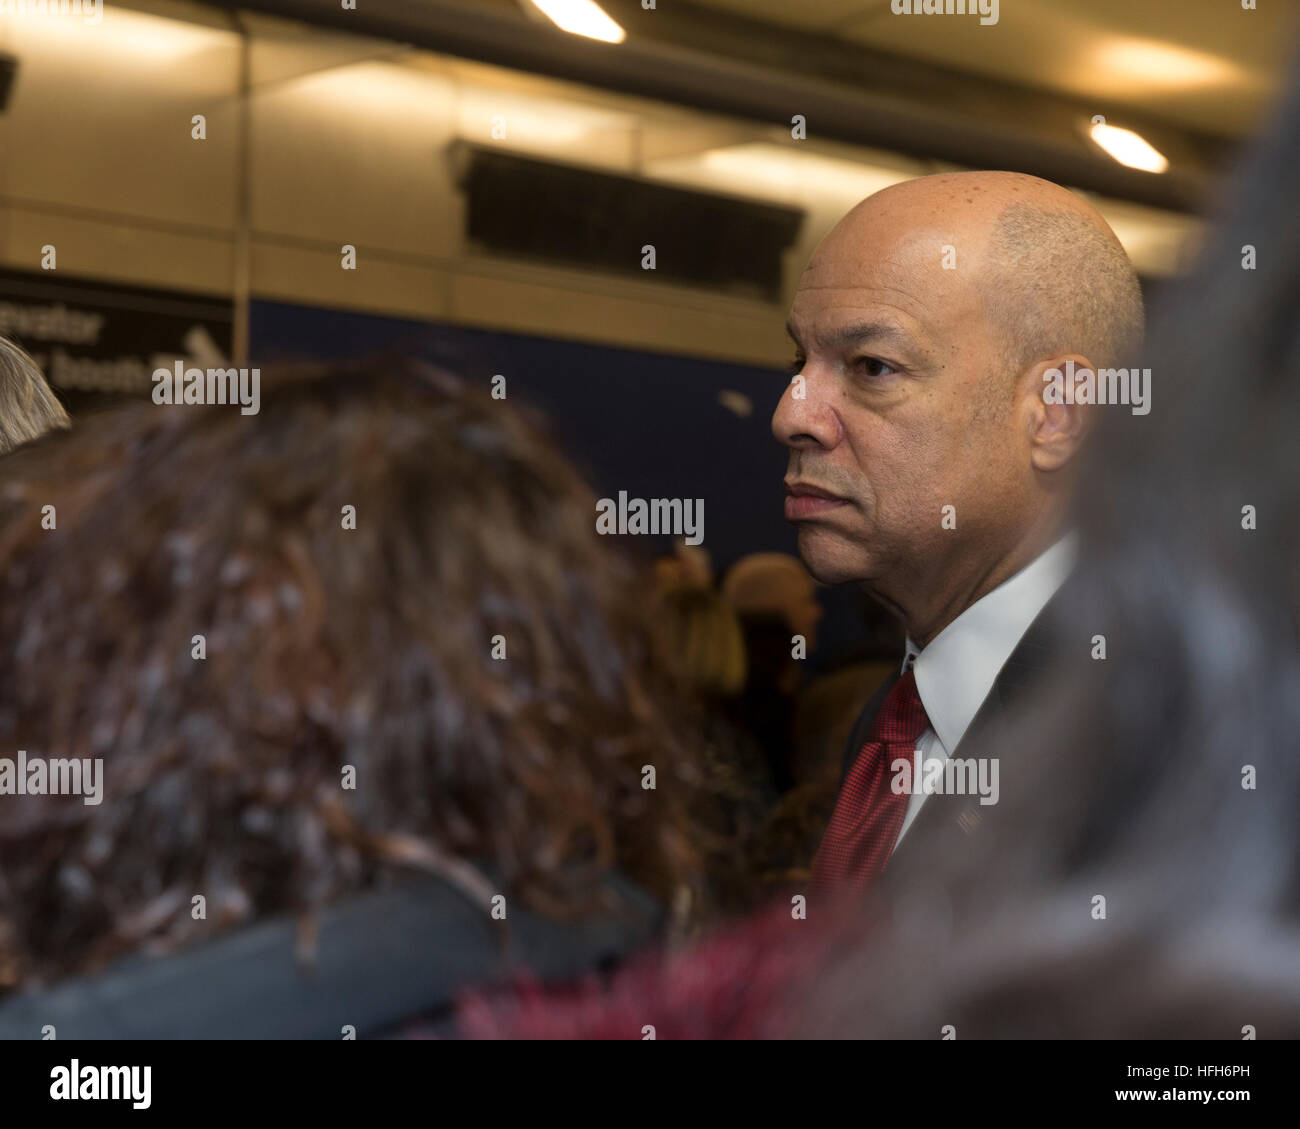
[(907, 408)]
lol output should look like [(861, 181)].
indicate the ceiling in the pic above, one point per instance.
[(1207, 65), (1192, 78)]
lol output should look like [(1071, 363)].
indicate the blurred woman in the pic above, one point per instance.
[(368, 632)]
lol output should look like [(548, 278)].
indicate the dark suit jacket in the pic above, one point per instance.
[(1028, 663)]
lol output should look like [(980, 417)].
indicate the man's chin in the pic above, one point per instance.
[(829, 558)]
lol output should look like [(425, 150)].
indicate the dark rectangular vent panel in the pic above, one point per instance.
[(561, 214), (8, 71)]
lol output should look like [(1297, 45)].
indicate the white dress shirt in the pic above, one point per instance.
[(956, 671)]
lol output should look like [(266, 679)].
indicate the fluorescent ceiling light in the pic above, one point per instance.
[(780, 172), (1129, 148), (537, 122), (1145, 64), (582, 17), (120, 37)]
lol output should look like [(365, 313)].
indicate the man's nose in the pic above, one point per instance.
[(800, 420)]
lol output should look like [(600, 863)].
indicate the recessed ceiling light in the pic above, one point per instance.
[(1128, 148), (582, 17)]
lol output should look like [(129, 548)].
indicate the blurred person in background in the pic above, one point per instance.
[(826, 710), (927, 465), (702, 632), (705, 645), (688, 566), (801, 726), (28, 409), (775, 584), (1163, 779), (776, 600), (829, 702), (371, 697)]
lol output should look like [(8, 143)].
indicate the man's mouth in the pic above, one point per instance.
[(804, 500)]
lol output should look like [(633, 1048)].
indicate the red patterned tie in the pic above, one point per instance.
[(868, 814)]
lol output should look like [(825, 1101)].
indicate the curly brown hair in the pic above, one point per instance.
[(470, 648)]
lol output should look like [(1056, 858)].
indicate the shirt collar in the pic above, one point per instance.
[(956, 671)]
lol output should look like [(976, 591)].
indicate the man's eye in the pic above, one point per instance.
[(873, 367)]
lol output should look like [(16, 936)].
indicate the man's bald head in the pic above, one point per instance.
[(924, 459), (1058, 283), (1051, 273)]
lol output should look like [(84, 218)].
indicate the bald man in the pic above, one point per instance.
[(927, 466)]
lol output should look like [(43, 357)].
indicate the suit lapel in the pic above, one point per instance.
[(1025, 666), (987, 731)]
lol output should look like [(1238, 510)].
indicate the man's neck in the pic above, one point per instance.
[(924, 620)]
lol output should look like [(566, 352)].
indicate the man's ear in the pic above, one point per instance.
[(1055, 425)]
